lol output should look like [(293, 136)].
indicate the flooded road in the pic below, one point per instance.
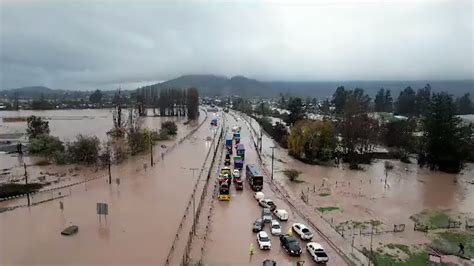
[(231, 229), (143, 213)]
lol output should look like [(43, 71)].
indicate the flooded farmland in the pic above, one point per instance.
[(143, 212), (346, 198)]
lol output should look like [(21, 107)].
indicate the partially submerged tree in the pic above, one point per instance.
[(444, 140), (312, 140), (359, 132), (193, 103), (45, 145), (84, 149), (36, 126)]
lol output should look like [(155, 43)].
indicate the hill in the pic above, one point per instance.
[(210, 85)]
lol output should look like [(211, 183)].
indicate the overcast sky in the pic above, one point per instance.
[(102, 44)]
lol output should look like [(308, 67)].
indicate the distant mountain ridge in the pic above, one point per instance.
[(211, 85)]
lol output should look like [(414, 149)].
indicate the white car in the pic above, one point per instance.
[(276, 228), (316, 251), (302, 230), (263, 240), (281, 214), (259, 196), (236, 173)]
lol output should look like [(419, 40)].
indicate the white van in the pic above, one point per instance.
[(281, 214)]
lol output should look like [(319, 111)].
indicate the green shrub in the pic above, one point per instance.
[(139, 141), (45, 145), (292, 174), (84, 150), (36, 126), (169, 127)]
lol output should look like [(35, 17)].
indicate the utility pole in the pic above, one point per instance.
[(371, 239), (273, 157), (151, 152), (194, 203), (26, 182), (110, 173)]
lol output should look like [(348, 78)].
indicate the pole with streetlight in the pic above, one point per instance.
[(273, 157)]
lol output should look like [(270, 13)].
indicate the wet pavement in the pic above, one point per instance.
[(231, 231)]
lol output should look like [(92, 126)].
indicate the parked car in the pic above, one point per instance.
[(266, 215), (290, 244), (276, 228), (259, 196), (258, 225), (263, 240), (303, 231), (267, 203), (281, 214), (316, 251), (236, 173)]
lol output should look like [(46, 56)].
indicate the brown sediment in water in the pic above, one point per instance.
[(362, 196), (142, 221)]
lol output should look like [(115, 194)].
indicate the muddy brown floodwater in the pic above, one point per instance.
[(144, 212), (231, 227), (362, 196)]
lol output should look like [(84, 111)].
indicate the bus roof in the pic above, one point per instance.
[(254, 170)]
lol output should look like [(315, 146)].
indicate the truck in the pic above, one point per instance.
[(228, 142), (237, 137), (254, 177), (224, 191), (241, 150), (238, 163)]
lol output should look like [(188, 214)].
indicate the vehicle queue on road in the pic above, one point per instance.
[(254, 178)]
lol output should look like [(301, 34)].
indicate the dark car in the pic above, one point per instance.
[(258, 225), (269, 263), (291, 245)]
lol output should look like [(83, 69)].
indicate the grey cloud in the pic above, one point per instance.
[(89, 44)]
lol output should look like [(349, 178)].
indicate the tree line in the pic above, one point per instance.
[(351, 132), (168, 102)]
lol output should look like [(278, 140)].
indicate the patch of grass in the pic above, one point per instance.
[(439, 220), (414, 259), (324, 194), (448, 242), (401, 247), (328, 209)]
